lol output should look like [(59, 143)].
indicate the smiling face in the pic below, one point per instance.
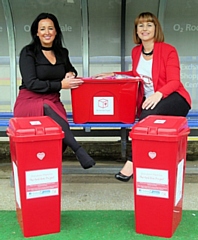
[(46, 32), (146, 31)]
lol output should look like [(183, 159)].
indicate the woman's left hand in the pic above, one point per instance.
[(152, 101)]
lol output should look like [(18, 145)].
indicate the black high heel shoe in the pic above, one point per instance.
[(122, 177)]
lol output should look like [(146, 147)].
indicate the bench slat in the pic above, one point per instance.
[(192, 118)]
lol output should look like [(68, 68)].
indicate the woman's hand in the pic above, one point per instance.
[(152, 101), (68, 83), (70, 75), (104, 75)]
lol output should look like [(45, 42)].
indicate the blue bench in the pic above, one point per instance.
[(102, 129)]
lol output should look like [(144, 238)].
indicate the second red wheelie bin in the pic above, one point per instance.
[(159, 146)]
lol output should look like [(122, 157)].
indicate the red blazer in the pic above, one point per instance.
[(165, 71)]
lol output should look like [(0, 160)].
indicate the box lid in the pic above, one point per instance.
[(160, 127), (34, 128), (111, 80)]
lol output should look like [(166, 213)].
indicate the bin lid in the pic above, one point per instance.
[(159, 127), (34, 128)]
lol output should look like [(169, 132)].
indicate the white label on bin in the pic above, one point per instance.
[(179, 184), (152, 182), (34, 123), (160, 121), (16, 185), (103, 106), (41, 183)]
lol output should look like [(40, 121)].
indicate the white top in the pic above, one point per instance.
[(144, 69)]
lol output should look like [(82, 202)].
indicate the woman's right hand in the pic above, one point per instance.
[(104, 75), (70, 83)]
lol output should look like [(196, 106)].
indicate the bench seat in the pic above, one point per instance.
[(102, 129)]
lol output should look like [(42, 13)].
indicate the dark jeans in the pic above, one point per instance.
[(173, 105)]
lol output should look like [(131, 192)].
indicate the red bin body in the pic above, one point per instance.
[(105, 100), (36, 154), (159, 146)]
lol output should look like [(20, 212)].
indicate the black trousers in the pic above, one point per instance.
[(173, 105), (69, 139)]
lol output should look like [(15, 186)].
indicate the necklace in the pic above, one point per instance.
[(46, 48), (147, 54)]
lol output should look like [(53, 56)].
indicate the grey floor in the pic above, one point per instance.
[(97, 189)]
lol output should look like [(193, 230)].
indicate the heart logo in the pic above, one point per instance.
[(40, 155), (152, 155)]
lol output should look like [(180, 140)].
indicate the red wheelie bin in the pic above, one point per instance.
[(159, 146), (36, 155)]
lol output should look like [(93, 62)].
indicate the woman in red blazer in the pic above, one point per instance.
[(157, 64)]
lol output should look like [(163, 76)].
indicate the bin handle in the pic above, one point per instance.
[(8, 132)]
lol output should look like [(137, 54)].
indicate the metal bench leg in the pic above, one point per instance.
[(123, 144), (11, 180)]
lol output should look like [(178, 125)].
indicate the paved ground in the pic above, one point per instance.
[(96, 188)]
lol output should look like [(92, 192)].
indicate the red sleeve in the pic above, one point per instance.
[(169, 77)]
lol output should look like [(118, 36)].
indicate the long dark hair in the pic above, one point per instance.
[(35, 44)]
